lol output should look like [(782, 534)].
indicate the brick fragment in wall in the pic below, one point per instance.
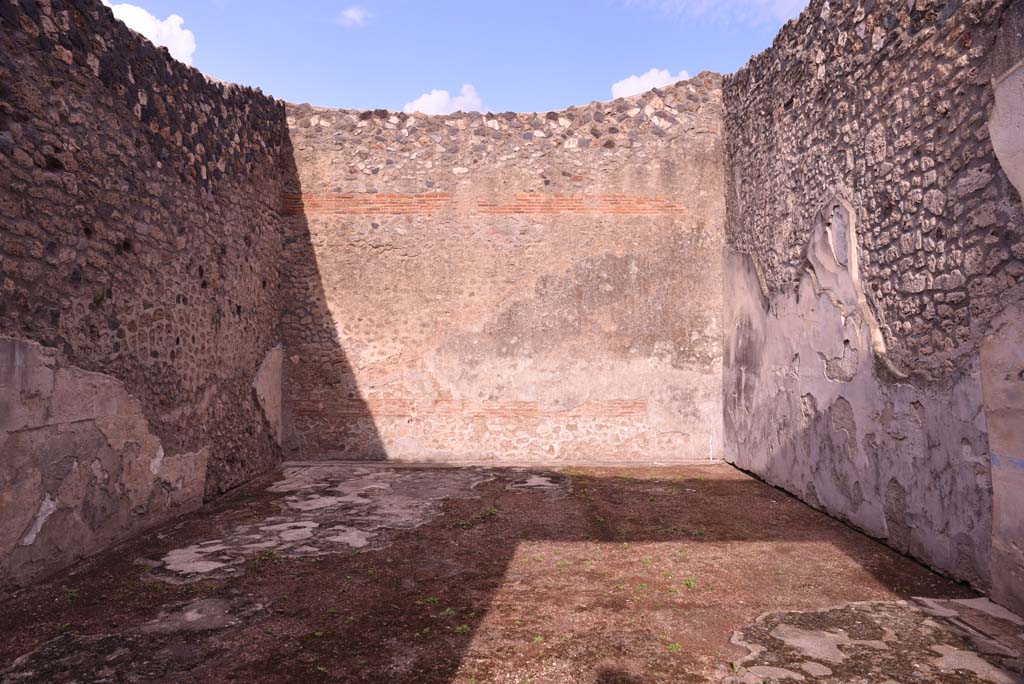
[(389, 204)]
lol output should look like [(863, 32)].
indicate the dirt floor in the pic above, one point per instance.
[(348, 573)]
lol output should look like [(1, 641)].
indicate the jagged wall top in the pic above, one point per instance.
[(179, 107), (403, 149)]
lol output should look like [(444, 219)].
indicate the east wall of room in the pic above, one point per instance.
[(873, 359)]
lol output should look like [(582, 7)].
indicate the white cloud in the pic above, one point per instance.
[(442, 102), (729, 11), (354, 16), (655, 78), (180, 42)]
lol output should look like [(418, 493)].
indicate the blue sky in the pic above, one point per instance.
[(524, 55)]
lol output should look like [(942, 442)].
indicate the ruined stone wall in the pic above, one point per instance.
[(507, 287), (873, 238), (139, 261)]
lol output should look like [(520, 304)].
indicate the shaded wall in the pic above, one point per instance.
[(139, 258), (874, 242), (508, 287)]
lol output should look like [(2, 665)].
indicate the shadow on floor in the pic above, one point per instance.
[(637, 575)]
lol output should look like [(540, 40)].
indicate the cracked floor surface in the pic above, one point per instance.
[(921, 640), (376, 573)]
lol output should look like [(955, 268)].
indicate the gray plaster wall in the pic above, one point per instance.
[(811, 407), (1002, 365), (80, 466), (874, 253), (1002, 352)]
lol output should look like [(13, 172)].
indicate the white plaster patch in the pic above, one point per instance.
[(158, 459), (776, 673), (815, 669), (351, 536), (535, 482), (821, 645), (191, 560), (314, 503), (329, 509), (46, 509)]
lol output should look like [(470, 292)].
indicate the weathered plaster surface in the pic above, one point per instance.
[(336, 508), (813, 406), (140, 236), (1002, 370), (79, 465), (1006, 124), (855, 335), (140, 231), (268, 385), (1002, 353)]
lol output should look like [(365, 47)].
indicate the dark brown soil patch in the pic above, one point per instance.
[(627, 575)]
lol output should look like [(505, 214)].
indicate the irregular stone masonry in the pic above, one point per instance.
[(527, 203), (415, 153), (886, 103), (139, 244)]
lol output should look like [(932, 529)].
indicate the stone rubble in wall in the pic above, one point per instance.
[(888, 105), (396, 150), (141, 231)]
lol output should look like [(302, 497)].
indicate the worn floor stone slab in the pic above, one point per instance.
[(896, 642), (336, 508)]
